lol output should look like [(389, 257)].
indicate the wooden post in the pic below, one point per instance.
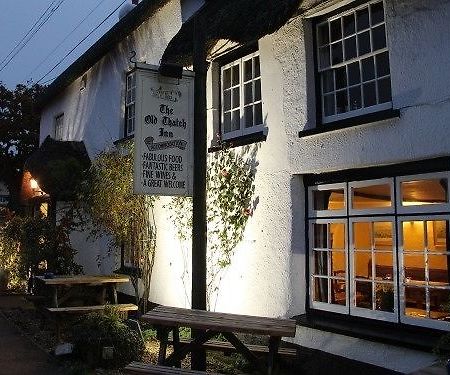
[(198, 359)]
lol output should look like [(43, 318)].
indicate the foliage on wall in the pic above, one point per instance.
[(230, 188), (108, 199)]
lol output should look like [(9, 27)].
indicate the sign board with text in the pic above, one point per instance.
[(163, 138)]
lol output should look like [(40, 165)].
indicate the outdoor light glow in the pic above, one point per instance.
[(34, 184)]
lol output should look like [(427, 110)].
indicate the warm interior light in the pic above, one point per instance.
[(33, 183)]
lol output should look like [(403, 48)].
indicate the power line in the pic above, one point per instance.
[(34, 32), (67, 37), (81, 41)]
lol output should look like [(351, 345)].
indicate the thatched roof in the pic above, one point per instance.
[(240, 21), (58, 166)]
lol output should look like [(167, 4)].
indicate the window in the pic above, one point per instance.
[(241, 97), (130, 99), (59, 127), (353, 63), (381, 255)]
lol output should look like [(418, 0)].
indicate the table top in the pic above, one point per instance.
[(220, 322), (84, 279)]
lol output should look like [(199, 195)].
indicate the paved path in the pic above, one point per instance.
[(19, 356)]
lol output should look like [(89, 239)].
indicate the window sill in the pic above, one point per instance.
[(350, 122), (243, 140), (123, 140), (398, 334)]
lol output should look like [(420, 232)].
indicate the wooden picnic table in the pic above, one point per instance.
[(168, 319), (69, 282)]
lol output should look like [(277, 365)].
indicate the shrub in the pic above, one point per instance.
[(97, 330)]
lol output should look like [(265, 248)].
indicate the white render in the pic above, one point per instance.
[(268, 268)]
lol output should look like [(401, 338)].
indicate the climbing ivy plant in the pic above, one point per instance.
[(230, 187)]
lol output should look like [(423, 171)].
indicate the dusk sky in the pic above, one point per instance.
[(18, 16)]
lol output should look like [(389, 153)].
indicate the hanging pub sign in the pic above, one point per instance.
[(163, 138)]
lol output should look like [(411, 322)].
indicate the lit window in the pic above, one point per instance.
[(353, 63), (241, 97), (130, 107), (59, 127)]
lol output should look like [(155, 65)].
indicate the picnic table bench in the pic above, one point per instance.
[(146, 368), (211, 323)]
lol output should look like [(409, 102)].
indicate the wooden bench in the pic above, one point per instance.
[(228, 348), (146, 368), (88, 309)]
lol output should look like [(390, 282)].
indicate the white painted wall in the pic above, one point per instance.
[(268, 268)]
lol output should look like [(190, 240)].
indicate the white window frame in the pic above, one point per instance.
[(242, 129), (326, 213), (444, 207), (360, 311), (363, 110), (322, 305), (130, 102), (367, 183), (58, 127), (423, 322)]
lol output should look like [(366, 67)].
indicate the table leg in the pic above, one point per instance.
[(55, 297), (274, 344), (163, 336), (176, 344), (114, 291)]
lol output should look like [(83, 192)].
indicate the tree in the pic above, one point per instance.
[(19, 134)]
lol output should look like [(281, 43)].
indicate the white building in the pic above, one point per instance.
[(350, 106)]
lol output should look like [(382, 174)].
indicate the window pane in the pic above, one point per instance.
[(415, 302), (363, 294), (258, 114), (384, 297), (437, 235), (382, 235), (256, 66), (439, 304), (248, 116), (327, 81), (320, 236), (227, 100), (324, 57), (248, 71), (414, 267), (384, 90), (320, 289), (362, 235), (368, 69), (349, 24), (227, 122), (341, 101), (362, 19), (248, 93), (363, 265), (257, 90), (375, 196), (236, 98), (355, 98), (424, 192), (336, 32), (227, 78), (235, 75), (323, 36), (370, 96), (350, 48), (363, 43), (438, 269), (378, 38), (382, 64), (338, 263), (328, 199), (413, 236), (337, 236), (377, 13), (235, 120), (354, 76), (328, 104), (336, 53), (384, 266), (338, 295), (320, 263), (341, 77)]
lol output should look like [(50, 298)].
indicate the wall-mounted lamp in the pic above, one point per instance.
[(33, 184)]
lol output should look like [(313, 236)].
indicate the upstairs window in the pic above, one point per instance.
[(59, 127), (241, 97), (353, 63), (130, 100)]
